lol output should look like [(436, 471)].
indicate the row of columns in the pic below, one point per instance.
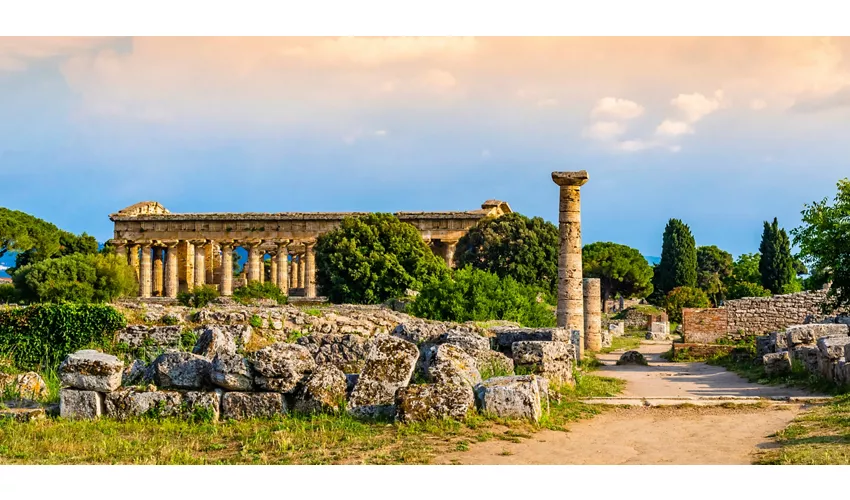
[(157, 265)]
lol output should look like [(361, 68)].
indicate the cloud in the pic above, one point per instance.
[(673, 128), (838, 99), (613, 107), (604, 130), (635, 145), (439, 79), (696, 106), (3, 268)]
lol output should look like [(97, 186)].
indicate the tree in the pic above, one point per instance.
[(20, 232), (76, 278), (746, 269), (684, 296), (373, 258), (714, 267), (776, 265), (678, 266), (746, 289), (514, 245), (621, 270), (824, 242)]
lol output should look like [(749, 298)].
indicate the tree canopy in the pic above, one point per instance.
[(373, 258), (714, 267), (514, 245), (678, 265), (776, 266), (21, 232), (76, 278), (621, 270), (824, 242)]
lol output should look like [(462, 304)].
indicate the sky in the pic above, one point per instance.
[(723, 133)]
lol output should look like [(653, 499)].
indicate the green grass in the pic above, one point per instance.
[(290, 439), (626, 342), (820, 436), (313, 312)]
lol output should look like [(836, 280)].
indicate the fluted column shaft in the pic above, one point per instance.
[(273, 276), (134, 259), (226, 268), (157, 271), (301, 267), (310, 270), (450, 252), (145, 272), (200, 262), (293, 272), (592, 314), (282, 267), (172, 283), (570, 313), (209, 262), (253, 262)]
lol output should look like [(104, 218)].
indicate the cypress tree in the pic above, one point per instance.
[(678, 266), (776, 265)]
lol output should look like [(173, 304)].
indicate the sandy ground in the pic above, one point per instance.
[(656, 435)]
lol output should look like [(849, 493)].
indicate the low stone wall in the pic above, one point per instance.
[(704, 325), (635, 319)]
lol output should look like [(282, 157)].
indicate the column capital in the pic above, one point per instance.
[(226, 243), (170, 243), (198, 241), (309, 243), (252, 243), (144, 243), (578, 178)]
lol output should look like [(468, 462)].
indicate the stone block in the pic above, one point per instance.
[(468, 341), (130, 403), (607, 338), (323, 391), (806, 354), (80, 405), (780, 341), (833, 347), (389, 365), (345, 351), (808, 334), (765, 344), (506, 336), (247, 405), (136, 336), (232, 372), (27, 385), (492, 363), (553, 360), (181, 370), (136, 373), (510, 397), (452, 365), (776, 363), (632, 358), (91, 370), (213, 340), (617, 328), (421, 402), (281, 367), (657, 336)]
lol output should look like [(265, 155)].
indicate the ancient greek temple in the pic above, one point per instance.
[(174, 252)]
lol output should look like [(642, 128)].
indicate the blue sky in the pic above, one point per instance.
[(721, 133)]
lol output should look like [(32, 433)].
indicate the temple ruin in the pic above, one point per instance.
[(174, 252)]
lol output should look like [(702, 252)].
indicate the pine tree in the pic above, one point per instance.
[(678, 266), (776, 265)]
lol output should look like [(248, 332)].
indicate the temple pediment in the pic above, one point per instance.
[(144, 208)]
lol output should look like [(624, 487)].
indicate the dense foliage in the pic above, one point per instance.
[(678, 265), (621, 270), (714, 267), (41, 335), (746, 289), (21, 232), (76, 278), (684, 296), (256, 290), (199, 296), (474, 295), (514, 245), (824, 242), (373, 258), (776, 266)]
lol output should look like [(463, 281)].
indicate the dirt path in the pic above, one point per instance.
[(656, 435)]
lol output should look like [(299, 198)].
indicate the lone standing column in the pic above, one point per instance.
[(309, 269), (592, 314), (145, 271), (570, 297), (171, 284), (226, 268)]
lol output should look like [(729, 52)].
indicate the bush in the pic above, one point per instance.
[(41, 335), (199, 296), (256, 290), (79, 278), (373, 258), (684, 296), (475, 295), (8, 294), (746, 289)]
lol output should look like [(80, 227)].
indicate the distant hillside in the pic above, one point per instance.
[(652, 260)]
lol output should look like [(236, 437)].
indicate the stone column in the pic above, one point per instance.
[(157, 271), (282, 266), (209, 262), (592, 314), (120, 249), (145, 271), (172, 283), (570, 312), (302, 265), (134, 259), (273, 277), (293, 272), (309, 269), (450, 246), (253, 273), (227, 268), (200, 262), (186, 267)]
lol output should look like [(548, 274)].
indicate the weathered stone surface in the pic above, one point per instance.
[(808, 334), (607, 338), (658, 336), (203, 403), (765, 344), (806, 354), (452, 365), (136, 373), (136, 336), (246, 405), (281, 366), (129, 402), (780, 341), (27, 385), (232, 372), (389, 365), (181, 370), (346, 352), (468, 341), (505, 336), (323, 391), (833, 347), (553, 360), (213, 340), (617, 328), (510, 397), (23, 414), (91, 371), (776, 363), (492, 363), (631, 358), (80, 405), (350, 382), (421, 402)]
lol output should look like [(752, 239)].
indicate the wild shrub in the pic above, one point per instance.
[(255, 290), (200, 296)]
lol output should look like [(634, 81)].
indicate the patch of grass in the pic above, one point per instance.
[(295, 335), (188, 339), (255, 321), (820, 436), (625, 342), (494, 369), (313, 312)]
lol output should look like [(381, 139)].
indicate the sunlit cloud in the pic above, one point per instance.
[(612, 107)]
